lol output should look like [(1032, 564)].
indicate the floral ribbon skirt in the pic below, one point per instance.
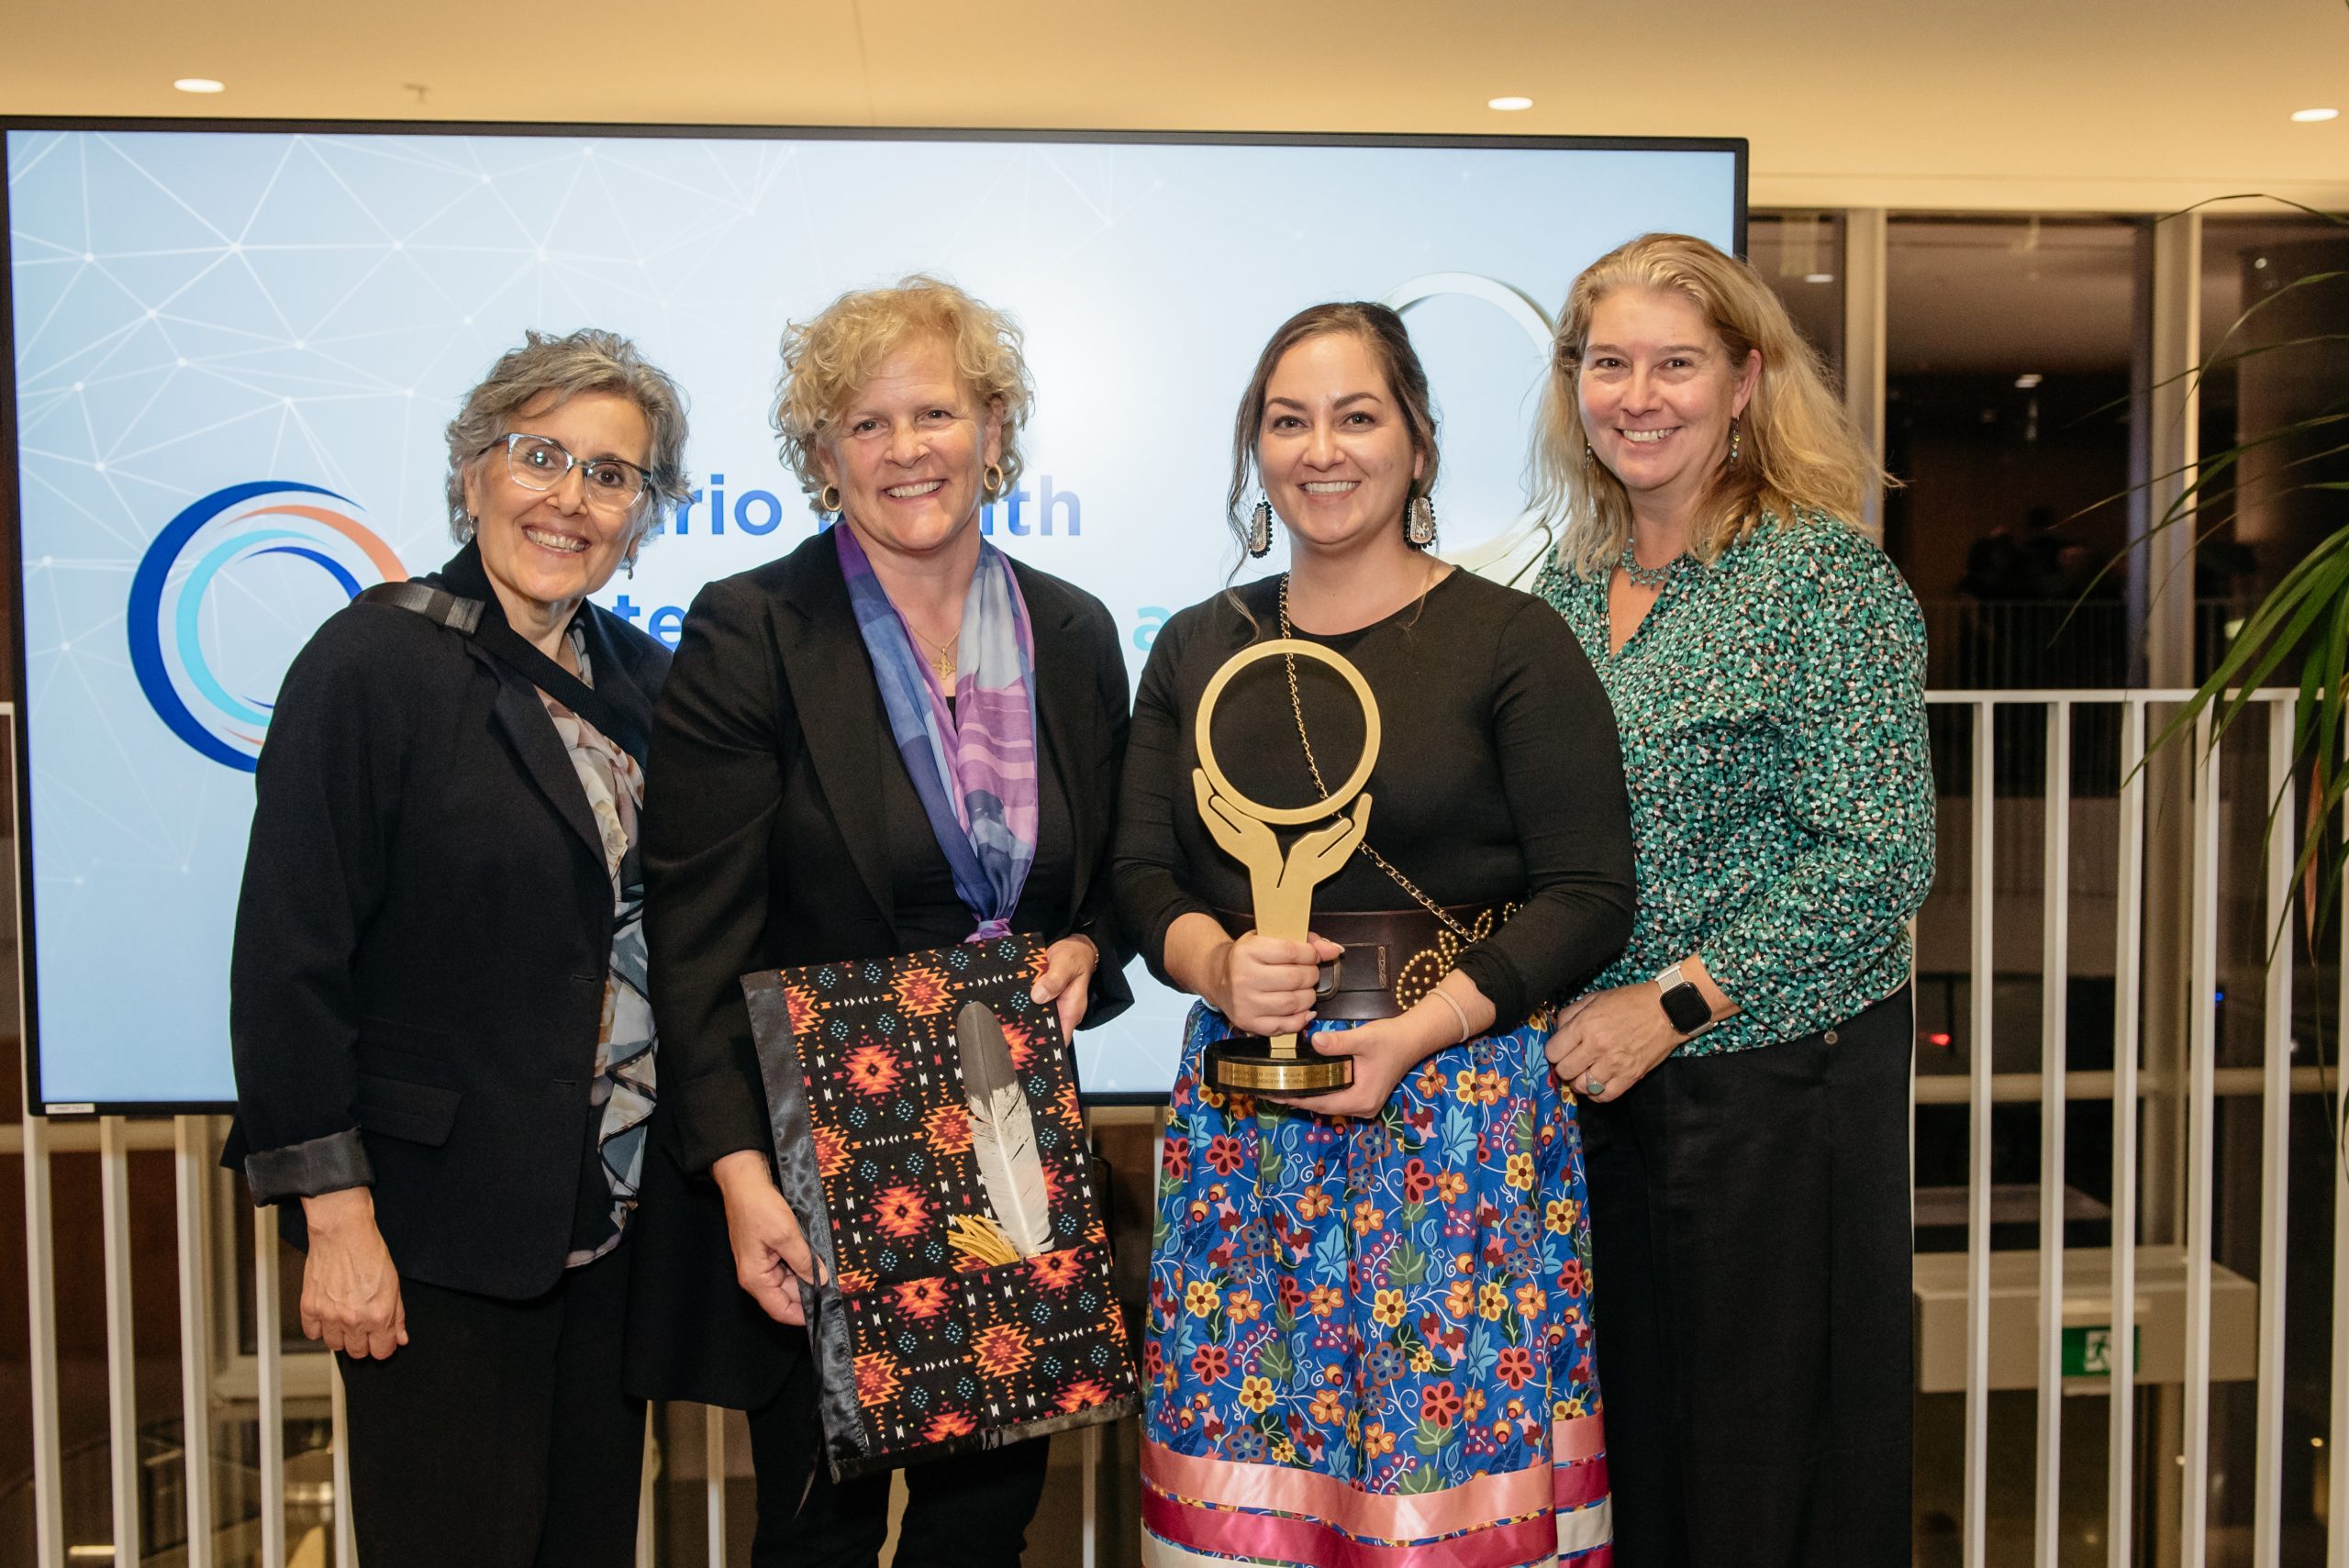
[(1369, 1340)]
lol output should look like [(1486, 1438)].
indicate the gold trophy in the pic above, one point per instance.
[(1282, 881)]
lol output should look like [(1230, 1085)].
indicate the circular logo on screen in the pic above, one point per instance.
[(230, 592), (1506, 549)]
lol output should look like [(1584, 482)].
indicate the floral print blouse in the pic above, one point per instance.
[(1772, 713), (624, 1090)]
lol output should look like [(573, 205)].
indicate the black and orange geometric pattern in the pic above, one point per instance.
[(938, 1353)]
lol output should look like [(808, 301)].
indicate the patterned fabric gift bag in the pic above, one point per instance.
[(927, 1134)]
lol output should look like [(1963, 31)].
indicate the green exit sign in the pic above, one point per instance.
[(2088, 1350)]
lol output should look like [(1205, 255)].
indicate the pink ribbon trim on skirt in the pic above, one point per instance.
[(1577, 1480)]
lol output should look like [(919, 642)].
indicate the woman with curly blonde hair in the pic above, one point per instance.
[(1743, 1068), (895, 738)]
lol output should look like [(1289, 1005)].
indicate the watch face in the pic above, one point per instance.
[(1684, 1005)]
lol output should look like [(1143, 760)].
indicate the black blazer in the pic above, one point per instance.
[(766, 845), (422, 942)]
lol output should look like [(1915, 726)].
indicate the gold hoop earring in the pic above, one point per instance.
[(992, 480), (829, 498)]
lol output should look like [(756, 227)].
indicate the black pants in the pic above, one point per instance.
[(499, 1436), (1751, 1276), (968, 1511)]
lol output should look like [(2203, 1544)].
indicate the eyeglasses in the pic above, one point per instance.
[(611, 484)]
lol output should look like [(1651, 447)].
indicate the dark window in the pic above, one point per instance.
[(2275, 313), (1801, 255), (2008, 345)]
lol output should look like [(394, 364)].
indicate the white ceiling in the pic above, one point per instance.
[(2080, 104)]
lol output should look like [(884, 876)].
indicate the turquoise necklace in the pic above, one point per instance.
[(1640, 575)]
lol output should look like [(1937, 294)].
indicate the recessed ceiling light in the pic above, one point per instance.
[(198, 84), (1508, 106), (2028, 379), (2310, 117), (1819, 277)]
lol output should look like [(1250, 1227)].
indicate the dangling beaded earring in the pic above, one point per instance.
[(1418, 523), (1260, 527), (1736, 438)]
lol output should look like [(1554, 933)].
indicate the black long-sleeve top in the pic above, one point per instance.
[(1498, 777), (423, 939), (782, 829)]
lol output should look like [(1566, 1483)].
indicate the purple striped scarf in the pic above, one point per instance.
[(974, 764)]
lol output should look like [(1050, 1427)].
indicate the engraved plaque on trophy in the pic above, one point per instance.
[(1281, 880)]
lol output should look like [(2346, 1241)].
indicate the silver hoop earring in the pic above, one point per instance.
[(1260, 527), (829, 498), (1419, 522)]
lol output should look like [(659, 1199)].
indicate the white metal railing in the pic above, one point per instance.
[(2128, 972), (269, 1379), (2055, 962), (2275, 1081)]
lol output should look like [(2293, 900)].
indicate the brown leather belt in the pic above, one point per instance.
[(1392, 957)]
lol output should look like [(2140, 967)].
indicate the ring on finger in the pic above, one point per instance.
[(1594, 1086)]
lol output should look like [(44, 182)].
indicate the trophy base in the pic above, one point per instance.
[(1246, 1063)]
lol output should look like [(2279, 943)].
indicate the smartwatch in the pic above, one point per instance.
[(1684, 1003)]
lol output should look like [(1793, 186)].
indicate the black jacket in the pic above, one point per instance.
[(422, 942), (766, 847)]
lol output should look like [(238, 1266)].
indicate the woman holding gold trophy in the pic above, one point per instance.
[(1372, 816)]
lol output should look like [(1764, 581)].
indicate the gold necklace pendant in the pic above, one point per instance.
[(942, 660)]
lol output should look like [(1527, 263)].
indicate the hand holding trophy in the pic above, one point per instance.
[(1282, 881), (1311, 860)]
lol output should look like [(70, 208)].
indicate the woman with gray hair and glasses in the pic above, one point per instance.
[(442, 1044)]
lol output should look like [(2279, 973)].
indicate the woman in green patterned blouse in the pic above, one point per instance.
[(1744, 1066)]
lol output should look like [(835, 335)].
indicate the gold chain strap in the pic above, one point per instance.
[(1297, 706)]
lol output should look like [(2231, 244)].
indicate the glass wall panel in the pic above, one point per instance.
[(2008, 352), (2275, 321), (1801, 255), (2008, 348), (2275, 334)]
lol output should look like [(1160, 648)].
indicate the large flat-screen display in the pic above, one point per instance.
[(234, 348)]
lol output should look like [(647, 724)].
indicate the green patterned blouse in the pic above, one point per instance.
[(1771, 709)]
